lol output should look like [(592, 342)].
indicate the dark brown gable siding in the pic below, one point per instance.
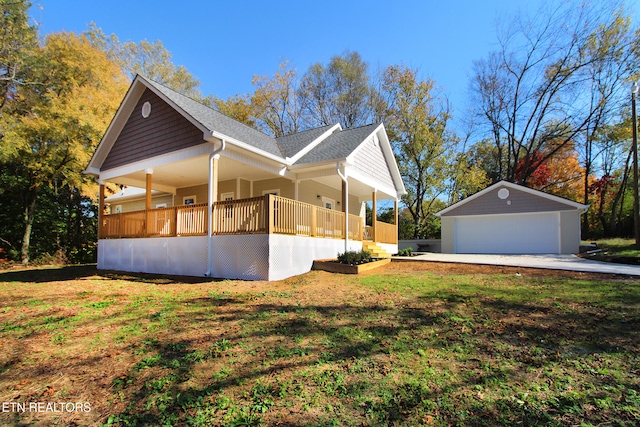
[(164, 131), (521, 202)]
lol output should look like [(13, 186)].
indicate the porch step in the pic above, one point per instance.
[(375, 250)]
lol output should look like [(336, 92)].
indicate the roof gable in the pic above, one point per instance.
[(177, 122), (509, 198), (163, 131)]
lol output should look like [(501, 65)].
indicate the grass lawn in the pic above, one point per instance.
[(616, 250), (407, 344)]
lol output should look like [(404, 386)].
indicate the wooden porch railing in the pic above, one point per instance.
[(244, 216), (386, 233), (266, 214)]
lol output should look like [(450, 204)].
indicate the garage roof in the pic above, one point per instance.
[(509, 198)]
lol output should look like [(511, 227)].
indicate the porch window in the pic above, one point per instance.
[(228, 211), (328, 203), (189, 200)]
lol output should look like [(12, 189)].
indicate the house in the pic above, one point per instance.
[(507, 218), (209, 196)]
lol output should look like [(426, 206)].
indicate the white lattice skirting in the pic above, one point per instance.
[(246, 257)]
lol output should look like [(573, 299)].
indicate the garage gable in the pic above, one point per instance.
[(508, 198)]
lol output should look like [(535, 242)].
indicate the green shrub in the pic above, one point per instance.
[(355, 258), (405, 252)]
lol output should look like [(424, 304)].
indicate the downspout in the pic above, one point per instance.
[(213, 154), (343, 177)]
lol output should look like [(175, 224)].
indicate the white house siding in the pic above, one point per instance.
[(370, 161)]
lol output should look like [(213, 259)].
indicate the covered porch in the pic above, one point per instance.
[(261, 237), (268, 214)]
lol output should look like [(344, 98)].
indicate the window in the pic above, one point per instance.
[(228, 210), (274, 192), (161, 205), (328, 203), (118, 209), (189, 200)]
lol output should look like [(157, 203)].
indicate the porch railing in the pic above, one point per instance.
[(266, 214)]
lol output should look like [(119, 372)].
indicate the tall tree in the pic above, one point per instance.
[(611, 52), (340, 92), (18, 39), (275, 102), (150, 59), (56, 124), (238, 107), (532, 93), (417, 121)]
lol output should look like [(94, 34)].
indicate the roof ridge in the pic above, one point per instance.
[(375, 124), (306, 130)]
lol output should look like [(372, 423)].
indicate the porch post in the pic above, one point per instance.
[(147, 202), (100, 209), (374, 218), (212, 196), (395, 218), (345, 209), (345, 202), (344, 196)]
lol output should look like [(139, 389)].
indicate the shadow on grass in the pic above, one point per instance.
[(78, 272), (238, 359), (274, 338), (49, 274)]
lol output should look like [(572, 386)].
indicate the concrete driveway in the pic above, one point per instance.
[(554, 262)]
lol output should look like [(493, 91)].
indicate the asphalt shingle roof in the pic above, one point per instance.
[(292, 144), (338, 145), (216, 121)]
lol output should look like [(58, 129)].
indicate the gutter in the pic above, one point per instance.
[(212, 156), (343, 177)]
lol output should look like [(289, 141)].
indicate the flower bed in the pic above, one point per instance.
[(334, 266)]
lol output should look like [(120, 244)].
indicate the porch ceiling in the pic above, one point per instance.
[(195, 171), (192, 172), (356, 188)]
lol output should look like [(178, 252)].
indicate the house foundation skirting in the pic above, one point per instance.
[(246, 257)]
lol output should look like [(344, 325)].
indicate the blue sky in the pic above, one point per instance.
[(225, 43)]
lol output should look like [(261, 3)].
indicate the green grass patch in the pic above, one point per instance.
[(617, 250), (405, 348)]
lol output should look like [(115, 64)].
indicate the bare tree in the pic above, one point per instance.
[(552, 82)]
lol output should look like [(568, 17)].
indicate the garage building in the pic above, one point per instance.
[(507, 218)]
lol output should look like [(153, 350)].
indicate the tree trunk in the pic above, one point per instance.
[(615, 217), (29, 215)]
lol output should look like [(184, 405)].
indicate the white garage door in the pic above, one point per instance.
[(508, 234)]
